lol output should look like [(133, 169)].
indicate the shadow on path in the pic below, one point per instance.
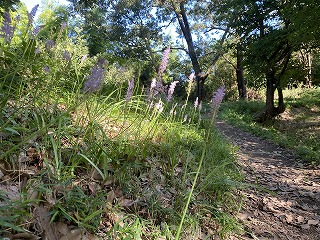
[(286, 205)]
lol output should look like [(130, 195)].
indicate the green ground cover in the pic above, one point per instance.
[(297, 128)]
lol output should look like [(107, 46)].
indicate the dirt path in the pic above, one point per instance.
[(286, 205)]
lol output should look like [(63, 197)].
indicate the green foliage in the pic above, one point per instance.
[(316, 67), (8, 5), (223, 74), (52, 20), (11, 212), (98, 161), (303, 24), (300, 133)]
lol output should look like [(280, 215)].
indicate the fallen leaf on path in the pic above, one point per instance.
[(96, 175), (108, 182), (305, 226), (313, 222), (272, 188), (289, 218), (43, 221), (300, 219), (27, 236), (126, 202), (243, 216), (111, 196), (93, 186), (74, 234), (306, 207), (62, 228)]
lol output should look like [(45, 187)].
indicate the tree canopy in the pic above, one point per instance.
[(263, 39)]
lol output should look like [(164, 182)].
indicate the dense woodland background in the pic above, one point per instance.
[(115, 101)]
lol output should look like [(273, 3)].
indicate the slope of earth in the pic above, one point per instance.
[(282, 200)]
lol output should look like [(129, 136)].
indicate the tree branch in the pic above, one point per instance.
[(217, 28), (228, 61), (218, 54)]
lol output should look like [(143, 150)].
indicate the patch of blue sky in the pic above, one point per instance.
[(31, 3)]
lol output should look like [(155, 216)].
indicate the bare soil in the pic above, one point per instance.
[(282, 200)]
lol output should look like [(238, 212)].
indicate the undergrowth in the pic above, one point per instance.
[(84, 146)]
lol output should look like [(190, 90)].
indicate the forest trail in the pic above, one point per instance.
[(286, 205)]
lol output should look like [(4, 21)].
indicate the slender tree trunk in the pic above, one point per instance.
[(239, 72), (270, 109), (281, 107), (306, 61), (185, 28), (181, 15), (309, 69)]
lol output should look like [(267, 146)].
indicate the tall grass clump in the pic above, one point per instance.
[(86, 149)]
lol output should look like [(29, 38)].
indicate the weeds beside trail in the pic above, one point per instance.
[(132, 165), (87, 151)]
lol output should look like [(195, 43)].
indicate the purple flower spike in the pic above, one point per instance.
[(32, 14), (49, 44), (95, 79), (196, 103), (7, 27), (130, 89), (101, 61), (159, 106), (164, 62), (152, 88), (217, 98), (84, 57), (66, 56), (36, 30), (63, 26), (18, 18), (37, 51), (191, 76), (171, 90), (153, 84), (46, 69)]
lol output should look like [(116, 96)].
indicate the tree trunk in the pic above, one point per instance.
[(276, 67), (271, 110), (185, 28), (181, 15), (239, 72), (308, 77), (306, 61), (281, 107)]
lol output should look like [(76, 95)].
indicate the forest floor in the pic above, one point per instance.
[(282, 200)]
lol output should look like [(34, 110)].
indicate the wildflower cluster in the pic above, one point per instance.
[(171, 90), (66, 55), (217, 98), (95, 79), (155, 87), (7, 28), (196, 103), (49, 44), (32, 13), (63, 26), (36, 30), (164, 62), (190, 83)]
